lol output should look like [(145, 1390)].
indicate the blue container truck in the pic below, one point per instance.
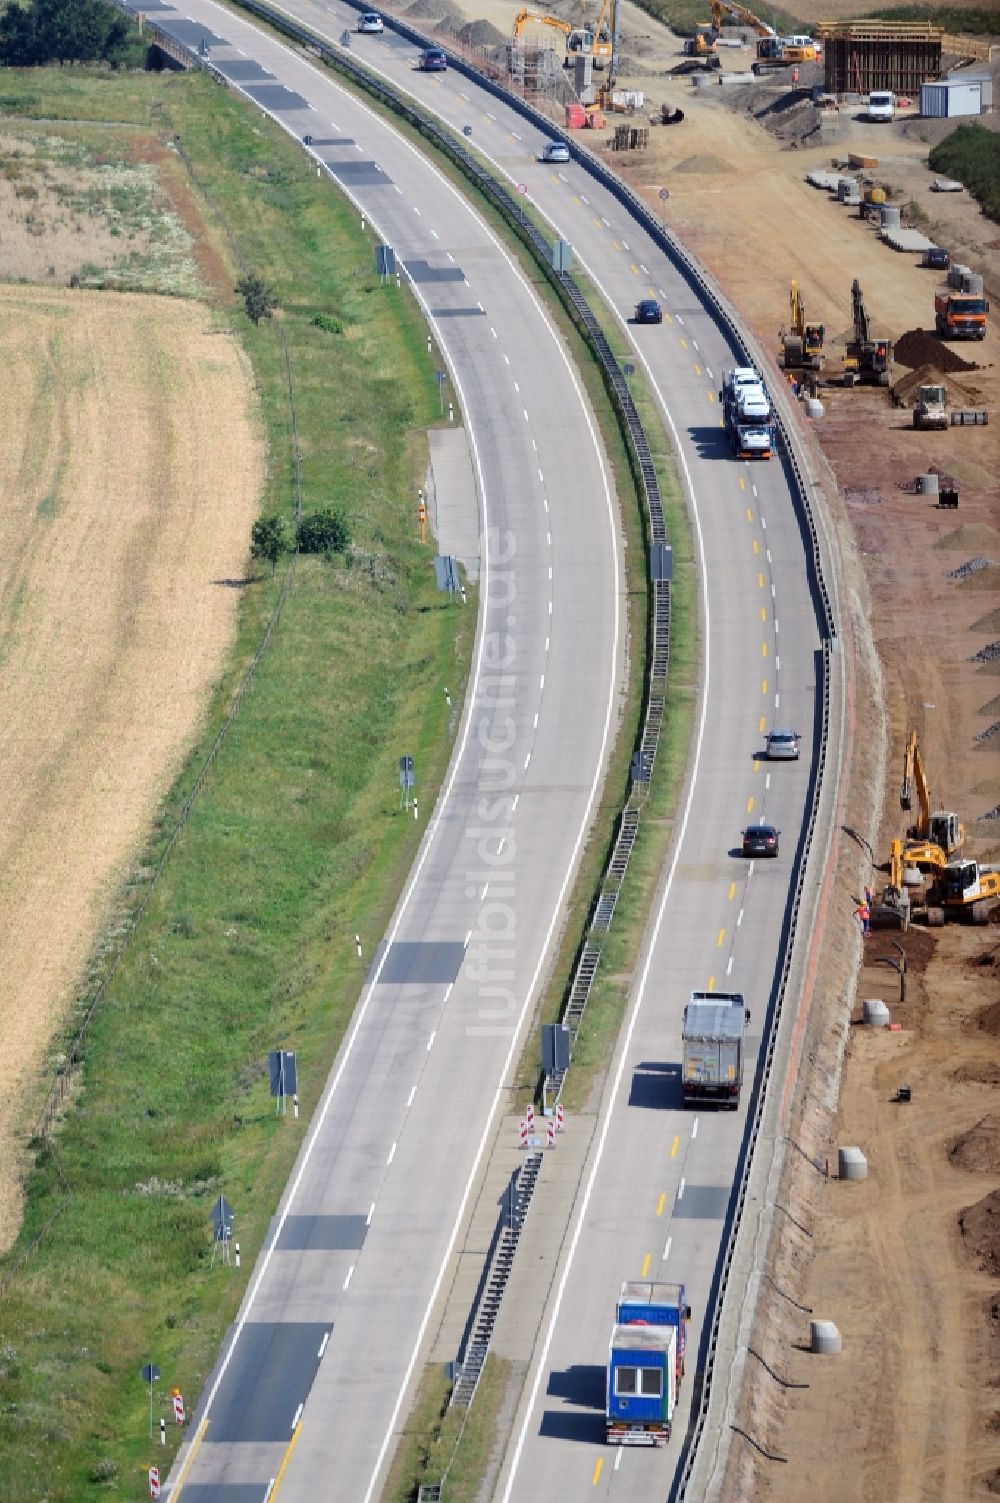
[(645, 1363), (642, 1385)]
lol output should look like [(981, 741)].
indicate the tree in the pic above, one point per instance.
[(323, 532), (63, 31), (258, 298), (268, 540)]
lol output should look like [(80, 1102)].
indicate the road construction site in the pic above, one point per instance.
[(907, 1262)]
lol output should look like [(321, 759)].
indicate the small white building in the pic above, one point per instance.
[(961, 94)]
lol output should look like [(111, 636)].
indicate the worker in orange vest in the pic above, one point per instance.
[(864, 915)]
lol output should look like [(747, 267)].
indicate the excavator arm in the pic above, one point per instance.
[(937, 835), (526, 18)]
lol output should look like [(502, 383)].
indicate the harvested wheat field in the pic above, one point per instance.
[(131, 461)]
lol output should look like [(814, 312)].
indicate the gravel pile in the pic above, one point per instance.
[(971, 566), (987, 654), (921, 347), (480, 34), (989, 734)]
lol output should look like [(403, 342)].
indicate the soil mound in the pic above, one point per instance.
[(481, 34), (430, 10), (982, 1072), (989, 1020), (980, 1228), (905, 391), (975, 537), (921, 347), (704, 161), (979, 1148)]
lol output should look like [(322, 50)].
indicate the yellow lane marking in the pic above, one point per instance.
[(674, 1147), (633, 268), (284, 1462), (743, 484), (599, 222), (645, 1266), (668, 316), (711, 397), (763, 614), (697, 370), (756, 764), (722, 938), (711, 984), (763, 686), (598, 1470), (760, 580), (615, 245), (660, 1204), (195, 1447), (576, 200), (732, 891), (750, 804), (749, 515), (684, 343), (722, 421), (763, 649), (762, 723), (756, 546)]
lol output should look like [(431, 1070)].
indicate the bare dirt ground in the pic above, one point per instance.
[(130, 467), (908, 1262)]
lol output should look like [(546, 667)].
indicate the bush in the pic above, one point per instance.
[(323, 532), (327, 323), (972, 156)]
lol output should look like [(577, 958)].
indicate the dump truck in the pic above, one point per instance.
[(930, 410), (960, 315), (641, 1385), (713, 1047)]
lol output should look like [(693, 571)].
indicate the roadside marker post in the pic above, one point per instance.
[(163, 1432)]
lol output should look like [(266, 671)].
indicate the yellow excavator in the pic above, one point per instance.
[(891, 908), (802, 346), (596, 43), (937, 836), (963, 890), (706, 36)]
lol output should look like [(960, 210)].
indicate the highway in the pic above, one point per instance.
[(656, 1195), (313, 1378)]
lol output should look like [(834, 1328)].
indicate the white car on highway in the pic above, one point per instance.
[(370, 20)]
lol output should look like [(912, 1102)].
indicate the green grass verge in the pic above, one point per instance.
[(295, 842), (972, 155), (684, 16), (957, 20), (439, 1442)]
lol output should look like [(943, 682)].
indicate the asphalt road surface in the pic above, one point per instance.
[(312, 1379)]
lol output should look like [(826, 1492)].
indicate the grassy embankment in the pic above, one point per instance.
[(682, 16), (295, 842), (972, 156)]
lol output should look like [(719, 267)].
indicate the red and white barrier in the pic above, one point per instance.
[(178, 1405), (530, 1114), (154, 1482), (550, 1133), (560, 1117), (522, 1134)]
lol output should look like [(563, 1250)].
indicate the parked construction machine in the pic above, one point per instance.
[(891, 908), (802, 346), (963, 890), (868, 360), (937, 835), (706, 36), (930, 410)]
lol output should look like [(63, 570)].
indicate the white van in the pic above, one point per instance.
[(881, 105)]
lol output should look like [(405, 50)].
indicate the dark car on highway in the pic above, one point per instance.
[(648, 312), (432, 60), (760, 840)]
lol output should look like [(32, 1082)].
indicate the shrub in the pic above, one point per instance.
[(972, 156), (323, 532)]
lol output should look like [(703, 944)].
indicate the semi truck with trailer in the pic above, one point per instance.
[(713, 1047), (746, 411), (645, 1362)]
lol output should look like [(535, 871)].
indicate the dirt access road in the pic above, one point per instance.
[(131, 464), (908, 1263)]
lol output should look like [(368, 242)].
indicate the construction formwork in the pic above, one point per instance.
[(865, 55)]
